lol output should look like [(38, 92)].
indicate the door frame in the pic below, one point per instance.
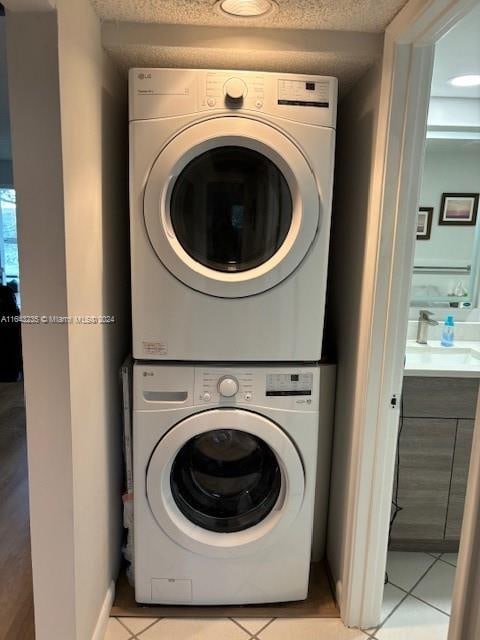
[(394, 193), (465, 620)]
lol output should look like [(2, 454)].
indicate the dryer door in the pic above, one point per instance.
[(231, 207), (225, 481)]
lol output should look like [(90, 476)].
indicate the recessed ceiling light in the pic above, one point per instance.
[(247, 8), (465, 81)]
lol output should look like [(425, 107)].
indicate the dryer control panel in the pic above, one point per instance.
[(233, 90), (165, 93)]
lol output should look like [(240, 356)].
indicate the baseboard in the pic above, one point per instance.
[(101, 626)]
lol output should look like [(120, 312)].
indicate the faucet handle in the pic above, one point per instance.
[(425, 315)]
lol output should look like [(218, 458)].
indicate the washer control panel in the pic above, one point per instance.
[(228, 386), (289, 384), (217, 385), (162, 386), (285, 387)]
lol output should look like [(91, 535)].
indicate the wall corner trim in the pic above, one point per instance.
[(103, 616)]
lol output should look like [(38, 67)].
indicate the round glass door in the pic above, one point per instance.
[(231, 207), (225, 480)]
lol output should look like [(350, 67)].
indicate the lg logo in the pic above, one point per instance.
[(144, 76), (148, 373)]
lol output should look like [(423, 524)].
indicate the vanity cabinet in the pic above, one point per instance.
[(458, 487), (437, 421)]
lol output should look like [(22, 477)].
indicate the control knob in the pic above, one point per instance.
[(235, 89), (227, 386)]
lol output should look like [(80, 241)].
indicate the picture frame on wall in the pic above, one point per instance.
[(459, 209), (424, 223)]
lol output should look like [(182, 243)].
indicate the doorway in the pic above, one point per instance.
[(442, 363), (395, 186), (369, 401)]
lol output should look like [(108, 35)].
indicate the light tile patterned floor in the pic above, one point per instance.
[(417, 598), (230, 629), (415, 607)]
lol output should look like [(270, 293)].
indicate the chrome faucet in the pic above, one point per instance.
[(424, 322)]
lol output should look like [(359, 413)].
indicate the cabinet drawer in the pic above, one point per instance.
[(440, 397)]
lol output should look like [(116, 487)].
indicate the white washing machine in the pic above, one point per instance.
[(230, 199), (224, 482)]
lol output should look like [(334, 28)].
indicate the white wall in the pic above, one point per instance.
[(454, 114), (355, 148), (450, 167), (41, 235), (94, 134), (70, 162)]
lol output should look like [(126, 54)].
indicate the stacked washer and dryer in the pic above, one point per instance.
[(230, 199)]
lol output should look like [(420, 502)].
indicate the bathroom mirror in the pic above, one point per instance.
[(447, 251)]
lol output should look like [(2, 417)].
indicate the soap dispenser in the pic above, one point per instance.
[(448, 332)]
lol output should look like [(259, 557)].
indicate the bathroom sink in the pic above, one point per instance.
[(442, 361)]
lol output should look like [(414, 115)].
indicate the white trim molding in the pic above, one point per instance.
[(399, 151), (103, 616), (465, 622)]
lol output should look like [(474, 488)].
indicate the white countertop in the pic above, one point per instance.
[(432, 360)]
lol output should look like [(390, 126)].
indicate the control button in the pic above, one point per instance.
[(248, 396), (227, 386), (211, 102), (259, 104), (206, 397), (235, 89)]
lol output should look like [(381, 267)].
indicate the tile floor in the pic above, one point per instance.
[(417, 597), (416, 606)]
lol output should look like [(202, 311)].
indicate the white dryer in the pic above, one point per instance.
[(230, 201), (224, 482)]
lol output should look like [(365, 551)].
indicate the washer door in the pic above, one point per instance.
[(231, 207), (224, 482)]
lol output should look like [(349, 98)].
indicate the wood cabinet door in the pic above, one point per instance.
[(426, 457), (458, 489)]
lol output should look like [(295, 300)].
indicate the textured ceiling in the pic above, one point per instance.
[(336, 15), (343, 54)]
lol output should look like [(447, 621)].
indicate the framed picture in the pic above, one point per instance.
[(459, 209), (424, 223)]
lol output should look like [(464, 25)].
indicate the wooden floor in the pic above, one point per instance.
[(16, 598)]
